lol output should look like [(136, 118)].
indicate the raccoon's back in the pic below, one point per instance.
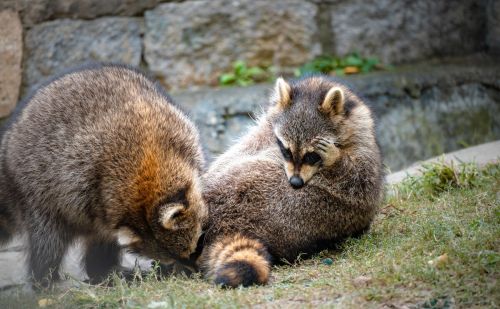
[(71, 128)]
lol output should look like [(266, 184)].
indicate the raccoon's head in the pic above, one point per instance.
[(307, 118), (169, 213)]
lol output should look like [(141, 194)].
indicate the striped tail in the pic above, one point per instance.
[(238, 260)]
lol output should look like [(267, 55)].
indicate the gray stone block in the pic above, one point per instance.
[(194, 42), (55, 46), (11, 50), (404, 31), (36, 11)]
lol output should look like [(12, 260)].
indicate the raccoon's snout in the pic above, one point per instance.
[(296, 182)]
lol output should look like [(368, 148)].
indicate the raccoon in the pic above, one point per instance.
[(101, 153), (305, 177)]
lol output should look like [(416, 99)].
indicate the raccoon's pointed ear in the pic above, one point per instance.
[(281, 95), (334, 101), (168, 216)]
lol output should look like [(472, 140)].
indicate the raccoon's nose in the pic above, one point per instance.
[(296, 182)]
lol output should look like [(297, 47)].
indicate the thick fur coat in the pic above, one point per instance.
[(101, 153), (307, 176)]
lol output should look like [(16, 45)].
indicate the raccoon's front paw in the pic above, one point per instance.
[(327, 149)]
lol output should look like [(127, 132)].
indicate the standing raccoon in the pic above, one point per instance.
[(101, 153), (305, 177)]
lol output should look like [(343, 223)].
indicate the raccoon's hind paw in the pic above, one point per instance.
[(328, 149)]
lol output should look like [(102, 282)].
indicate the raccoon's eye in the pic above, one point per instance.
[(287, 154), (311, 158)]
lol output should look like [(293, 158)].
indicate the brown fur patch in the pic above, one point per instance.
[(146, 184), (307, 171), (289, 169), (231, 274)]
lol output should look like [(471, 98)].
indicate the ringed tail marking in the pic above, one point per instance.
[(238, 260)]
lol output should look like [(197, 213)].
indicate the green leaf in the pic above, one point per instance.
[(255, 72), (339, 72), (239, 67), (365, 68), (354, 61), (227, 79), (372, 60), (244, 82)]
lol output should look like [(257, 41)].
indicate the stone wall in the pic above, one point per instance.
[(190, 43), (185, 49)]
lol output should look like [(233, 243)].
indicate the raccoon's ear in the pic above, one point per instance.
[(168, 216), (281, 95), (334, 101)]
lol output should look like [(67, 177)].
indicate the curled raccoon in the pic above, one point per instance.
[(100, 153), (305, 177)]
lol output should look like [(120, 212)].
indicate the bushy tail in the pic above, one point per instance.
[(238, 260)]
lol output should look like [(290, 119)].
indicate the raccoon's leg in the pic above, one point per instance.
[(8, 222), (48, 241), (101, 258), (9, 211)]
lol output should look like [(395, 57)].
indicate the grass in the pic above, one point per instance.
[(434, 244)]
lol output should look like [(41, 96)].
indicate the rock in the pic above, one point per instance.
[(36, 11), (406, 31), (223, 114), (55, 46), (480, 155), (11, 50), (183, 48), (493, 27), (422, 111)]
